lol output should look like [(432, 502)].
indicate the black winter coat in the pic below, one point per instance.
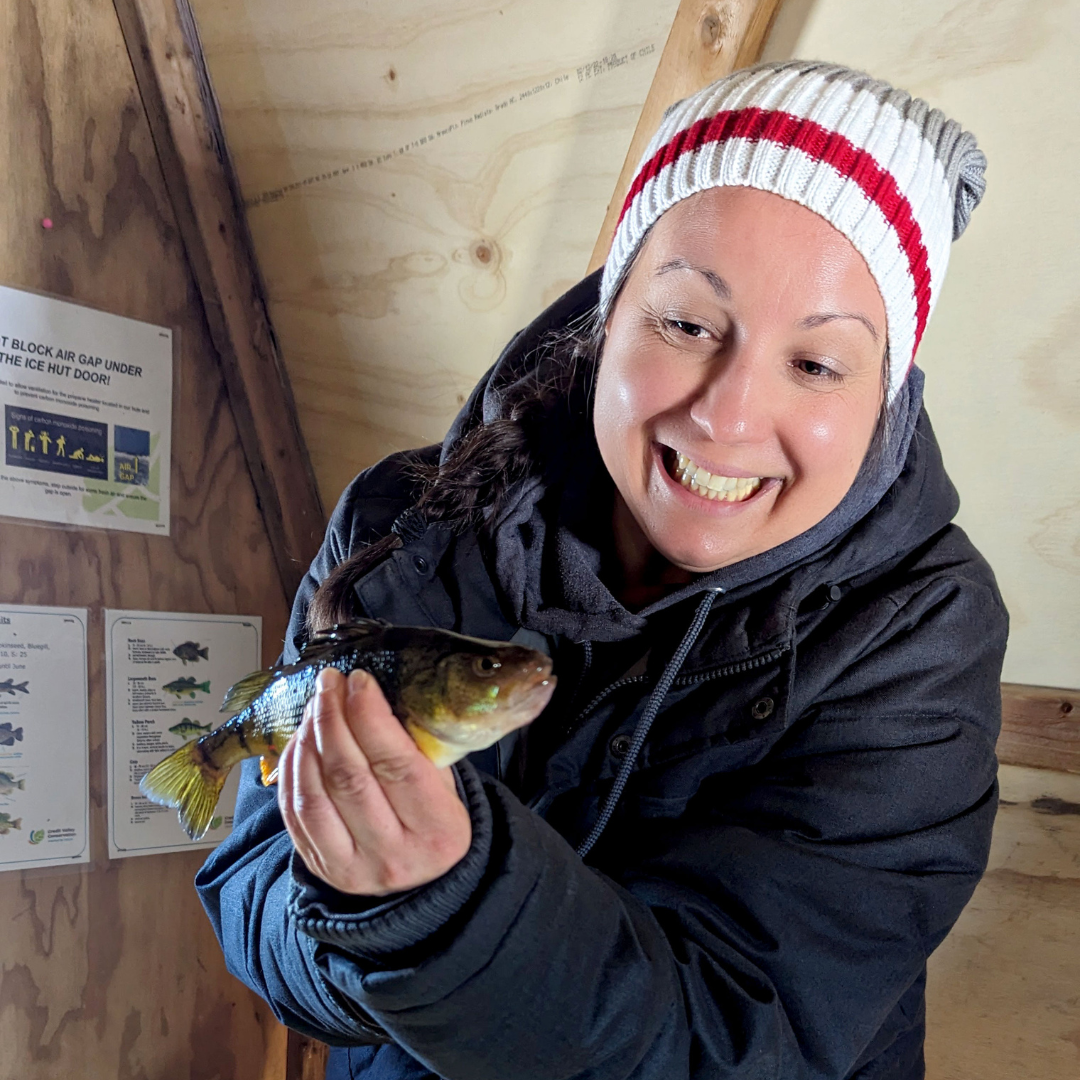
[(808, 815)]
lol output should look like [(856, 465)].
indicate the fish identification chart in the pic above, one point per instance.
[(44, 737), (166, 675), (87, 414)]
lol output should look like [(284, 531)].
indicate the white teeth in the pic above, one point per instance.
[(723, 488)]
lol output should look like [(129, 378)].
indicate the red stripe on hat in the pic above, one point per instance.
[(821, 144)]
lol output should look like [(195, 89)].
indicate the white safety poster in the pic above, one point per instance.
[(166, 676), (44, 737), (87, 413)]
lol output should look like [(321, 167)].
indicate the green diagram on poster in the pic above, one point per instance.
[(87, 414)]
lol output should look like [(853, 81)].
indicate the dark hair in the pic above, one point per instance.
[(470, 487)]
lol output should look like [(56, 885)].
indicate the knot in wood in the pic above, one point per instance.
[(714, 29)]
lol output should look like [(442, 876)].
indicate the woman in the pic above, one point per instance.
[(765, 786)]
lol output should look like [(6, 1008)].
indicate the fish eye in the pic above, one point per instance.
[(485, 666)]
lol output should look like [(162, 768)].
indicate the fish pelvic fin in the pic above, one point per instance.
[(268, 766), (243, 693), (188, 782)]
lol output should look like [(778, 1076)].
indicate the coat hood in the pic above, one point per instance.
[(546, 546)]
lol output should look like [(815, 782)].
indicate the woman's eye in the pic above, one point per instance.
[(816, 369), (689, 329)]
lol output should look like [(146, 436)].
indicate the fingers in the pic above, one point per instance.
[(318, 833), (367, 812), (345, 771), (415, 789)]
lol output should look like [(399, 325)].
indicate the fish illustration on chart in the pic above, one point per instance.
[(9, 736), (453, 695), (9, 785), (7, 823), (9, 686), (186, 685), (187, 728), (191, 651)]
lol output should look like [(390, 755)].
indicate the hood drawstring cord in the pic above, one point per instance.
[(652, 707)]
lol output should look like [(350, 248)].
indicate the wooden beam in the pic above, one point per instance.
[(708, 40), (306, 1058), (1040, 727), (163, 43)]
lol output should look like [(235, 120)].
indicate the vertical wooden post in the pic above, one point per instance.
[(709, 39), (163, 43)]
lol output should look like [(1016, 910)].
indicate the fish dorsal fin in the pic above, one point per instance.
[(243, 693), (344, 633)]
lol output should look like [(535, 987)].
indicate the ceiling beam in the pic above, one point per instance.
[(708, 40)]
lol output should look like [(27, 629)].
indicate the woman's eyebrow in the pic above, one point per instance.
[(719, 285), (813, 321)]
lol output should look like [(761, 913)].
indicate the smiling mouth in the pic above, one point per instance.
[(699, 481)]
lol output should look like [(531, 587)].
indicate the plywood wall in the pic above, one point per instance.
[(111, 970), (1001, 352), (422, 178)]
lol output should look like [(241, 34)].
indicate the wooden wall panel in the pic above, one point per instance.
[(422, 178), (1002, 382), (112, 970)]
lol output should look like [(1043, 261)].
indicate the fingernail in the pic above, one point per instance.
[(325, 678), (358, 679)]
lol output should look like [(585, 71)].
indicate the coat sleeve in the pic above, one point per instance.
[(769, 931)]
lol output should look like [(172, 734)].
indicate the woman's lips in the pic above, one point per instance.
[(705, 486)]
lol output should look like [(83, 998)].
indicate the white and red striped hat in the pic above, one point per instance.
[(896, 177)]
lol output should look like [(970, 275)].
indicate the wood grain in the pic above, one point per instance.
[(1040, 727), (112, 970), (421, 179), (1001, 996), (307, 1058), (167, 57), (709, 39)]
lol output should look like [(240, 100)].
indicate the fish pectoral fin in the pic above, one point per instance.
[(243, 693), (268, 766)]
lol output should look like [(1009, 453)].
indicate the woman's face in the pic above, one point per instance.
[(741, 376)]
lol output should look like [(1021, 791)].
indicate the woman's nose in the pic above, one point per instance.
[(733, 403)]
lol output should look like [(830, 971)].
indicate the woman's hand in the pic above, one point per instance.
[(368, 813)]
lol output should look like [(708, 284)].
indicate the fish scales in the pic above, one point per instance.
[(453, 694)]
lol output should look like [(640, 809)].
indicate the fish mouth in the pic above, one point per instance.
[(532, 685)]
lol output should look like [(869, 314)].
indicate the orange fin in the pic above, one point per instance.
[(268, 766)]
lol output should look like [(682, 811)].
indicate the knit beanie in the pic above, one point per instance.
[(895, 176)]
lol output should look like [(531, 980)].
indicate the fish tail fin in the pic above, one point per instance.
[(17, 823), (20, 784), (18, 734), (23, 686), (204, 652), (189, 782), (204, 687)]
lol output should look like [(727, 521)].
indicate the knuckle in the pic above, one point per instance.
[(448, 848), (346, 781), (394, 877), (310, 808), (395, 770)]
